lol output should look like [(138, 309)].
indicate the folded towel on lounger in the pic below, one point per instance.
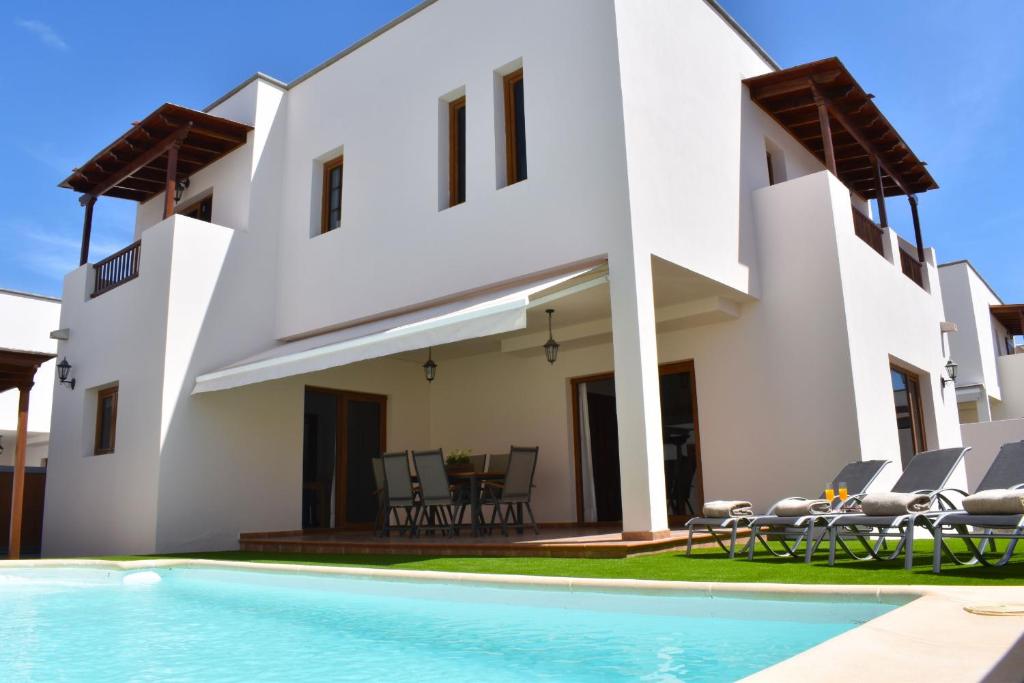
[(996, 502), (888, 504), (800, 507), (728, 508)]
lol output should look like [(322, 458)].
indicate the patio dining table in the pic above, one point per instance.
[(474, 480)]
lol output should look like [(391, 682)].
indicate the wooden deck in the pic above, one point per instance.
[(553, 541)]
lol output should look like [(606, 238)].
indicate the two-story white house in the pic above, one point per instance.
[(730, 321)]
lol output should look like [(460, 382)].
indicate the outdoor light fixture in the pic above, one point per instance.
[(179, 189), (63, 368), (951, 368), (551, 346), (430, 367)]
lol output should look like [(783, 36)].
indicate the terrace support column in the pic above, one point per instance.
[(638, 398), (826, 131), (883, 218), (917, 227), (88, 201), (18, 483), (172, 178)]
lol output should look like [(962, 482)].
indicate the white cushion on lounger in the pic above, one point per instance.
[(888, 504), (728, 508), (996, 502), (799, 507)]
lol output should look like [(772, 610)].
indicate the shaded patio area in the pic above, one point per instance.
[(553, 541)]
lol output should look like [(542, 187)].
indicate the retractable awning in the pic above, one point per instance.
[(483, 315)]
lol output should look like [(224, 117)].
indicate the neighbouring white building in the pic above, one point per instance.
[(987, 348), (26, 321), (731, 321)]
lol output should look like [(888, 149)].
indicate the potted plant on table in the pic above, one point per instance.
[(458, 461)]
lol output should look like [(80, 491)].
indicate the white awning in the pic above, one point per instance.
[(480, 316)]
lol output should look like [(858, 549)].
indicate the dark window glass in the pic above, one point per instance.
[(106, 420), (515, 128), (457, 151), (520, 129), (771, 170), (202, 211), (333, 179)]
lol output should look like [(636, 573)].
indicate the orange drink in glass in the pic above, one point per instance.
[(843, 493), (830, 492)]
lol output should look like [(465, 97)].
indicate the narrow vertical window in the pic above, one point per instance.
[(906, 391), (106, 420), (457, 151), (771, 169), (331, 215), (515, 127)]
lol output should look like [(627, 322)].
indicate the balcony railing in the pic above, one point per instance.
[(117, 269), (868, 230), (911, 267)]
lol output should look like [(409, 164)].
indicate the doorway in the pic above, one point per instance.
[(343, 431), (598, 490)]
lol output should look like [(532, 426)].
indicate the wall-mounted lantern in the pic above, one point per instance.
[(430, 367), (179, 189), (951, 369), (63, 369), (551, 346)]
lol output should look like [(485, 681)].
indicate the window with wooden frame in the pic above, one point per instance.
[(906, 389), (457, 151), (201, 210), (331, 201), (515, 128), (106, 420), (771, 169)]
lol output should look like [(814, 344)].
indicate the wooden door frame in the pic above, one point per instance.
[(341, 447), (915, 406), (663, 369)]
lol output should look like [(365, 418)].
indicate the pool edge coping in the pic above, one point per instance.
[(879, 592)]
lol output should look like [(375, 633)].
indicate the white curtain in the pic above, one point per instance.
[(586, 461)]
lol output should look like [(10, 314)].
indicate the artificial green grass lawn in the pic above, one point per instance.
[(703, 565)]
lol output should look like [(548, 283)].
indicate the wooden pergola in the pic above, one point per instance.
[(831, 115), (18, 371), (1011, 316), (153, 157)]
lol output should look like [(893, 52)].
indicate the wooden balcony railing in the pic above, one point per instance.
[(911, 267), (868, 230), (117, 269)]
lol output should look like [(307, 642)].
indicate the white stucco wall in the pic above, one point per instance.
[(985, 439), (380, 105), (26, 321), (1010, 369)]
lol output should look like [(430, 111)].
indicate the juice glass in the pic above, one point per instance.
[(843, 492)]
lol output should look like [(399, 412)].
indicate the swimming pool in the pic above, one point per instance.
[(221, 624)]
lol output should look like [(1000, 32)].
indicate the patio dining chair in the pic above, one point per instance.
[(440, 503), (379, 493), (513, 493), (497, 463), (479, 462), (400, 498)]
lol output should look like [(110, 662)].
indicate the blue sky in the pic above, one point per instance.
[(949, 75)]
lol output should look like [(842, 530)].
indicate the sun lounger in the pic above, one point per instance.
[(994, 513), (926, 474), (858, 475)]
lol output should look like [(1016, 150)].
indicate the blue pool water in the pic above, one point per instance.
[(216, 624)]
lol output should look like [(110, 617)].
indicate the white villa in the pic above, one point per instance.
[(731, 321)]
